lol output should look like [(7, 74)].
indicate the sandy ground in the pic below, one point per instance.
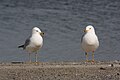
[(60, 71)]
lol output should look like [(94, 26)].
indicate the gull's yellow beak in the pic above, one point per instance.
[(42, 34), (86, 31)]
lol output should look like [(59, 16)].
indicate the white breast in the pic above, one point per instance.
[(90, 42), (36, 42)]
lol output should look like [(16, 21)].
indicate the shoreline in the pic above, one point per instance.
[(61, 71)]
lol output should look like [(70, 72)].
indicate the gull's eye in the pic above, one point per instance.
[(36, 30)]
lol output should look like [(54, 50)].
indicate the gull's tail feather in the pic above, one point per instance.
[(21, 46)]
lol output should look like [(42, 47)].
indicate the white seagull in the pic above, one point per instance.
[(33, 43), (89, 41)]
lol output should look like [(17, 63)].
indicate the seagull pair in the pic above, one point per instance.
[(89, 42)]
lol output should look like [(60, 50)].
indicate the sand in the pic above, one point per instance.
[(60, 71)]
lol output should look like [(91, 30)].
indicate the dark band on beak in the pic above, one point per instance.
[(42, 33), (86, 31)]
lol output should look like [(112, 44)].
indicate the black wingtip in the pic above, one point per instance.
[(21, 46)]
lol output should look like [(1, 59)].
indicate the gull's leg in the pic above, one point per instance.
[(36, 57), (29, 57), (86, 54), (93, 56)]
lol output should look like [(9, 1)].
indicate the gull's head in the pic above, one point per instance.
[(89, 28), (36, 30)]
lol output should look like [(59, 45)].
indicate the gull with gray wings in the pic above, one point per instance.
[(89, 41), (33, 43)]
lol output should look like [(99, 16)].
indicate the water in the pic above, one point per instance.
[(63, 22)]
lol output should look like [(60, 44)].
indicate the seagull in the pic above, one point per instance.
[(89, 41), (33, 43)]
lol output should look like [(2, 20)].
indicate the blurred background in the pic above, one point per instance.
[(63, 22)]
